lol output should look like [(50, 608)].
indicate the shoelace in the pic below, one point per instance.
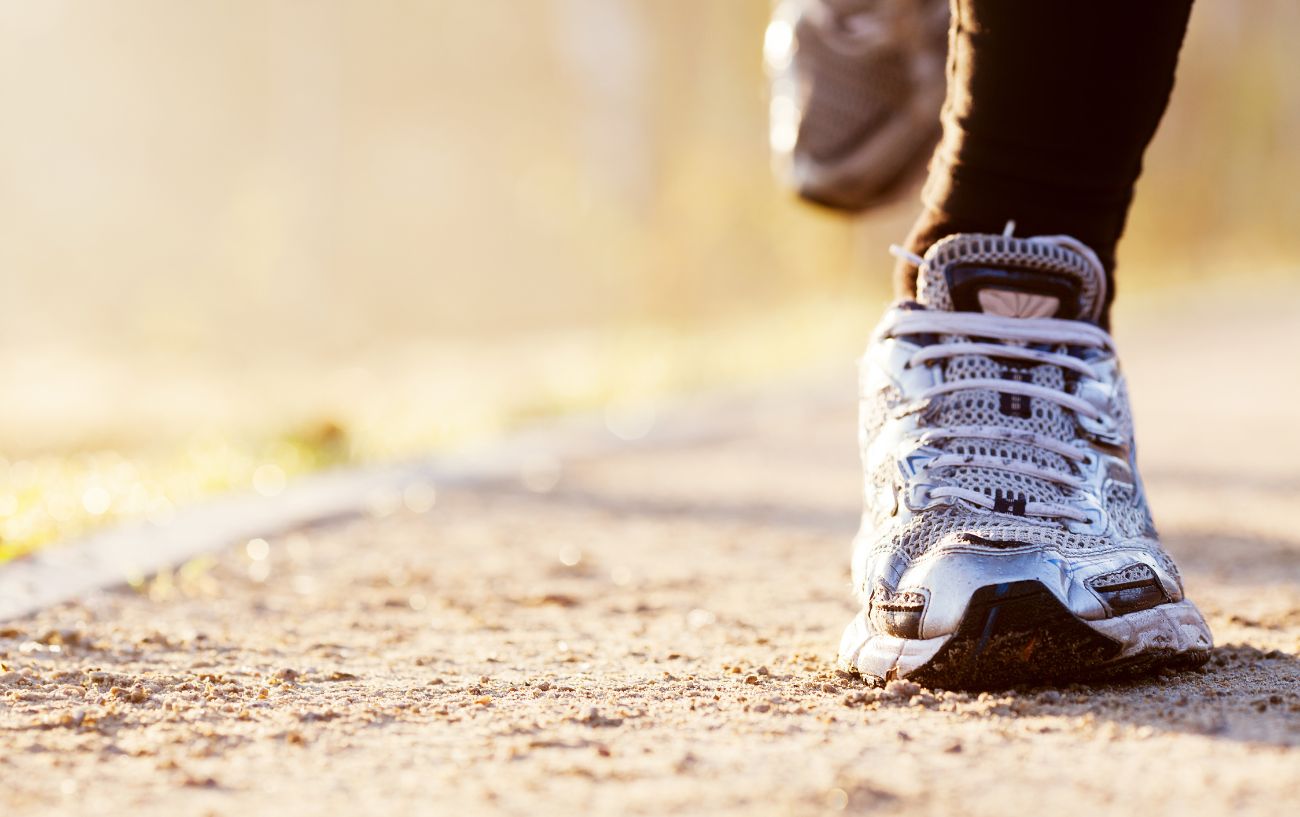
[(1008, 338)]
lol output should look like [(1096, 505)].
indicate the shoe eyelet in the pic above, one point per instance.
[(917, 497), (1095, 526), (1104, 429)]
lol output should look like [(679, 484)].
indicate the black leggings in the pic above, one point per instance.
[(1050, 106)]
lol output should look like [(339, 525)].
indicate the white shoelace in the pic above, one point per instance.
[(1006, 338)]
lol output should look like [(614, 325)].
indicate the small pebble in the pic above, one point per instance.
[(901, 690)]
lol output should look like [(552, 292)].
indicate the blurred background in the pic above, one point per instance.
[(243, 239)]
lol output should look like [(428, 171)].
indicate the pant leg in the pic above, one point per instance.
[(1050, 106)]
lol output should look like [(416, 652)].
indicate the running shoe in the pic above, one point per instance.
[(856, 88), (1006, 537)]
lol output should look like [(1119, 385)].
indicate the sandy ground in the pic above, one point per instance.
[(652, 631)]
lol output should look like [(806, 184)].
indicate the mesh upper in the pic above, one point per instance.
[(982, 408), (913, 534)]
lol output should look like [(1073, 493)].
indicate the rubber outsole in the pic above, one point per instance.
[(1021, 633)]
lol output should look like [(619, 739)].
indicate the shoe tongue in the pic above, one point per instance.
[(1016, 277)]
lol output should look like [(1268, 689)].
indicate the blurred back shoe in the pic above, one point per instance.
[(856, 88)]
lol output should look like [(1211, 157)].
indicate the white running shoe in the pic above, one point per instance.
[(856, 90), (1006, 537)]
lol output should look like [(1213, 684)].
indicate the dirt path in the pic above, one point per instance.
[(651, 632)]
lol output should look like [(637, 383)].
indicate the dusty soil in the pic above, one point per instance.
[(652, 631)]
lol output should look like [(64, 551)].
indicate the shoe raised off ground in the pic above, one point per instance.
[(1006, 537), (856, 88)]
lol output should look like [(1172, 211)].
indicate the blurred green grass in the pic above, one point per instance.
[(243, 236), (622, 373)]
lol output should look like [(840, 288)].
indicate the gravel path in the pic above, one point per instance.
[(651, 631)]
